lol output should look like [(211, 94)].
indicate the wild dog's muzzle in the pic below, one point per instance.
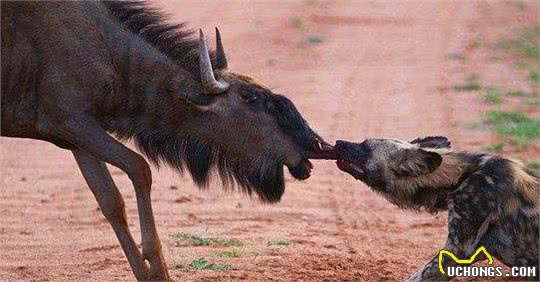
[(351, 156)]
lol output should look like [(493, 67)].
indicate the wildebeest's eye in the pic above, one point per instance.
[(250, 97)]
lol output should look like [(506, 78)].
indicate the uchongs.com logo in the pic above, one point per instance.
[(465, 269)]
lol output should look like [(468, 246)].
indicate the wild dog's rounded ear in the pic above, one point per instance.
[(415, 162), (434, 142)]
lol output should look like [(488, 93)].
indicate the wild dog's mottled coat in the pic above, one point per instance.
[(492, 201)]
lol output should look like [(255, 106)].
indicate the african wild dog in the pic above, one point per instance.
[(492, 201)]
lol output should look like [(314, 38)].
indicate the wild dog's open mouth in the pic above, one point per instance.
[(350, 168)]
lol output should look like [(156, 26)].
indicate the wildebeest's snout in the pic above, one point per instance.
[(317, 148)]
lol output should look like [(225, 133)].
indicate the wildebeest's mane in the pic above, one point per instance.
[(173, 40), (200, 159)]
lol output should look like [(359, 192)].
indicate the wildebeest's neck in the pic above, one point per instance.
[(152, 60), (141, 89), (146, 94)]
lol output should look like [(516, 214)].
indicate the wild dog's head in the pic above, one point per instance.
[(398, 169)]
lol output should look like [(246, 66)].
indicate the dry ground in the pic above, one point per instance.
[(355, 69)]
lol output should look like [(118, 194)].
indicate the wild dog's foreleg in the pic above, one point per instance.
[(431, 271), (470, 214), (87, 135), (110, 201)]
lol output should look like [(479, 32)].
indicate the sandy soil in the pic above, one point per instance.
[(382, 69)]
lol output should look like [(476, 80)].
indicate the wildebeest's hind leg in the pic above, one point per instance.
[(110, 201), (87, 135)]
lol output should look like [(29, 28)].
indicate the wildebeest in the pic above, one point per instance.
[(75, 72), (492, 201)]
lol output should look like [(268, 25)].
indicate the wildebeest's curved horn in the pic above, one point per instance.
[(211, 86), (221, 59)]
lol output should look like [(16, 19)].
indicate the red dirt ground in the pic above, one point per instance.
[(381, 70)]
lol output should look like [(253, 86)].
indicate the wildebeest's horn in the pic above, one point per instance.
[(211, 86), (221, 59)]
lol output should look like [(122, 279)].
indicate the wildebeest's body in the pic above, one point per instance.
[(74, 72), (61, 56), (492, 201), (62, 76)]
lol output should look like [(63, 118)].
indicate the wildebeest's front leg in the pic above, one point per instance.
[(110, 201), (87, 135)]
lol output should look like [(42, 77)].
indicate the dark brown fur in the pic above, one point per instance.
[(73, 73)]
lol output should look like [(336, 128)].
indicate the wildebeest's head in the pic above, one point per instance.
[(398, 169), (243, 129)]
